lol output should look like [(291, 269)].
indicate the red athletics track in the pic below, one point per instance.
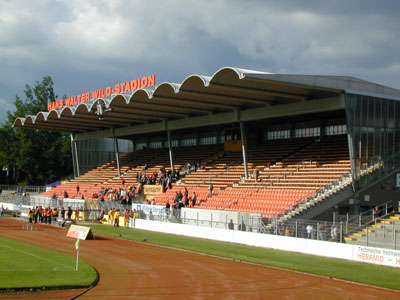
[(133, 270)]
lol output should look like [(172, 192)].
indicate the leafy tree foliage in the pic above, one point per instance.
[(34, 157)]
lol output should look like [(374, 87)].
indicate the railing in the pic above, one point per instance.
[(390, 231), (310, 229), (17, 199), (27, 189), (355, 223), (320, 195)]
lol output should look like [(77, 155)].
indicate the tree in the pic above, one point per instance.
[(34, 157)]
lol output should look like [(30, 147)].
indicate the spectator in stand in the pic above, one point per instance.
[(140, 190), (169, 182), (116, 218), (123, 182), (186, 196), (167, 208), (287, 231), (231, 226), (110, 214), (49, 215), (242, 226), (40, 214), (36, 214), (69, 213), (322, 231), (180, 195), (126, 217), (2, 212), (176, 199), (56, 212), (309, 230), (30, 215), (101, 215), (44, 220), (77, 189), (376, 212), (65, 194), (194, 198), (62, 215), (188, 168), (122, 193), (76, 215), (210, 190)]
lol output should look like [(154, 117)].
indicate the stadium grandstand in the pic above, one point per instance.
[(281, 146)]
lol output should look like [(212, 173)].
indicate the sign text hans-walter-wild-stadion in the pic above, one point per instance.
[(105, 92)]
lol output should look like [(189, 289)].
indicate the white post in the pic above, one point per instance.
[(116, 148), (77, 259), (244, 150), (77, 253), (171, 161)]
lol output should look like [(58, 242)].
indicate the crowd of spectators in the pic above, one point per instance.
[(46, 215), (114, 214), (160, 177), (126, 194)]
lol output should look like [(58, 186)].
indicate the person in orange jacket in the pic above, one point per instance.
[(49, 214), (45, 215), (40, 214), (126, 217)]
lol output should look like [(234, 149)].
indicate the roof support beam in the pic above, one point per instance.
[(298, 108), (217, 97), (175, 108), (193, 102), (255, 91)]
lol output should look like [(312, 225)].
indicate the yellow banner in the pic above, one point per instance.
[(233, 146), (153, 190)]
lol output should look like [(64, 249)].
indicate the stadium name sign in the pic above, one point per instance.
[(106, 92)]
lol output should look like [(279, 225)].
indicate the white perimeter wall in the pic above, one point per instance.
[(328, 249)]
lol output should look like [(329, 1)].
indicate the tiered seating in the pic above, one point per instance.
[(289, 172), (130, 165), (268, 202), (304, 166), (315, 166), (220, 175), (201, 193)]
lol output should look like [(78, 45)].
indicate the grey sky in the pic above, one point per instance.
[(87, 45)]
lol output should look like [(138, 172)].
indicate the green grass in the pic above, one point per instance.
[(25, 267), (342, 269)]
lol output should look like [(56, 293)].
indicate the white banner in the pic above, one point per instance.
[(154, 209), (377, 256)]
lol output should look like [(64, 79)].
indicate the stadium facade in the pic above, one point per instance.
[(244, 105)]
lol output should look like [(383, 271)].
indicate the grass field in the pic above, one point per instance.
[(358, 272), (31, 268)]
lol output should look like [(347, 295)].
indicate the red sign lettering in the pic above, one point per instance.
[(105, 92)]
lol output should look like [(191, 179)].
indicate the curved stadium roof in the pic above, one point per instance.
[(230, 95)]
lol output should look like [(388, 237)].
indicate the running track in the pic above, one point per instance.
[(133, 270)]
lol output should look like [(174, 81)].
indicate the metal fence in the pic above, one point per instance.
[(33, 189), (357, 222), (311, 229)]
